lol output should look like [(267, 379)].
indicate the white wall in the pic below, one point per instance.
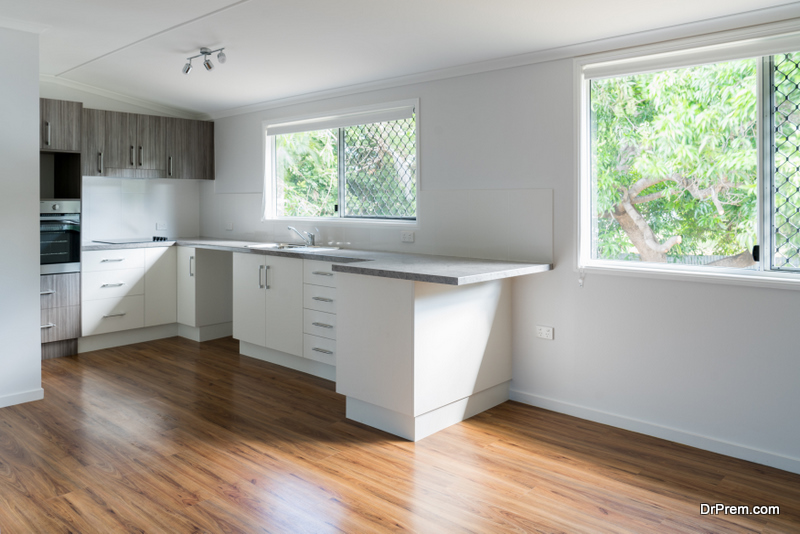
[(20, 338), (711, 365)]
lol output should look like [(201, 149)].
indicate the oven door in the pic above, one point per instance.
[(60, 243)]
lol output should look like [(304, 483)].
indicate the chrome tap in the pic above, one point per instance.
[(309, 240)]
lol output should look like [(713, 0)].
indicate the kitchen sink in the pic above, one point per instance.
[(291, 246)]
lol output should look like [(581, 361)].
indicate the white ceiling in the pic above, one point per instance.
[(280, 49)]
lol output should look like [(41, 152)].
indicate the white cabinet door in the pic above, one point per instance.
[(160, 286), (249, 298), (284, 325), (186, 270)]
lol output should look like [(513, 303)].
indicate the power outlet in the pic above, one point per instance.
[(544, 332), (161, 226), (406, 236), (229, 226)]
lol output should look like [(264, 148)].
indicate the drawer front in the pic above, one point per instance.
[(319, 323), (318, 273), (61, 323), (319, 298), (112, 284), (58, 290), (112, 260), (112, 315), (319, 349)]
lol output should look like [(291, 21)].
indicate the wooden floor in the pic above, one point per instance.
[(175, 436)]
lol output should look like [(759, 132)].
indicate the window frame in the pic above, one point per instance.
[(270, 197), (701, 50)]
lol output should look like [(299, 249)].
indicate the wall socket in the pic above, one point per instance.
[(229, 226), (407, 236), (161, 226), (544, 332)]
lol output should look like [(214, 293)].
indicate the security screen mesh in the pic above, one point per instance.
[(786, 150)]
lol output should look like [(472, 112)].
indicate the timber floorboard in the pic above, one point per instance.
[(175, 436)]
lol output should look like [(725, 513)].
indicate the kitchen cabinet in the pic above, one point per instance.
[(130, 145), (112, 291), (60, 125), (160, 286), (268, 301), (189, 149), (204, 287), (60, 314), (319, 311)]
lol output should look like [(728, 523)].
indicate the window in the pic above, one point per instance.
[(355, 165), (692, 166)]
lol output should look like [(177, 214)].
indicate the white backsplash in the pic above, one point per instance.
[(502, 224), (126, 208)]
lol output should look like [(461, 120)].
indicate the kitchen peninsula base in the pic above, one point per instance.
[(417, 357)]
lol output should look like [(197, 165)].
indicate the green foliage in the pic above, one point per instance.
[(308, 173), (692, 134)]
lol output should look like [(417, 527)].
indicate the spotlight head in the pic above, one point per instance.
[(221, 57), (207, 63), (188, 67)]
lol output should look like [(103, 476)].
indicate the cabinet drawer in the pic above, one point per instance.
[(318, 273), (112, 284), (112, 315), (61, 323), (319, 298), (319, 349), (58, 290), (319, 323), (112, 260)]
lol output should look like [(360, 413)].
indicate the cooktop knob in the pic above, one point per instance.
[(55, 207)]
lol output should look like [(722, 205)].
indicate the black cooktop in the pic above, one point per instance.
[(129, 240)]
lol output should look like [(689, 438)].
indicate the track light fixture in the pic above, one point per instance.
[(205, 53)]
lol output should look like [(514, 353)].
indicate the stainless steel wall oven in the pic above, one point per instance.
[(60, 236)]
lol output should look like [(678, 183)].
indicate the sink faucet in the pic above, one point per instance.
[(309, 240)]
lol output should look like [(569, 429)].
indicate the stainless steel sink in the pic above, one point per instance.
[(290, 246)]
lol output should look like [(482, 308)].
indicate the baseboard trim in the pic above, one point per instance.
[(205, 333), (126, 337), (318, 369), (787, 463), (22, 397)]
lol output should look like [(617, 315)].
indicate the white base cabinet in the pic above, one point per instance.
[(268, 301), (204, 287)]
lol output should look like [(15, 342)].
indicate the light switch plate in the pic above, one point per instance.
[(229, 226)]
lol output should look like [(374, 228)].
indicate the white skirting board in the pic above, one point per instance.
[(22, 397), (421, 426), (319, 369), (205, 333), (151, 333), (758, 456)]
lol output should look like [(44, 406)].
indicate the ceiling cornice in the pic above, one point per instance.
[(146, 104)]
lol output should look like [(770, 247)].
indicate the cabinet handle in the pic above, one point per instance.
[(260, 271), (141, 156), (191, 265), (321, 273), (111, 260), (49, 325), (323, 351), (132, 162), (169, 167), (47, 125), (118, 284), (48, 292), (322, 325), (266, 277), (100, 162), (322, 299), (122, 314)]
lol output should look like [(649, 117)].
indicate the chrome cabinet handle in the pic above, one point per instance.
[(322, 299), (48, 292), (122, 314), (260, 272), (111, 260), (48, 325), (321, 273), (322, 325), (191, 265), (266, 277), (118, 284), (323, 351), (47, 125), (132, 162), (141, 156)]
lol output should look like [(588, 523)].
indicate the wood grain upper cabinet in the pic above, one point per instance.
[(135, 145), (190, 149), (93, 142), (60, 125)]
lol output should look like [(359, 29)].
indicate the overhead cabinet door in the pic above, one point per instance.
[(60, 125), (93, 142)]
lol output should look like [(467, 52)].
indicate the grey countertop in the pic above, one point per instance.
[(415, 267)]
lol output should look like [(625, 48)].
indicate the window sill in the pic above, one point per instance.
[(719, 275), (336, 221)]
